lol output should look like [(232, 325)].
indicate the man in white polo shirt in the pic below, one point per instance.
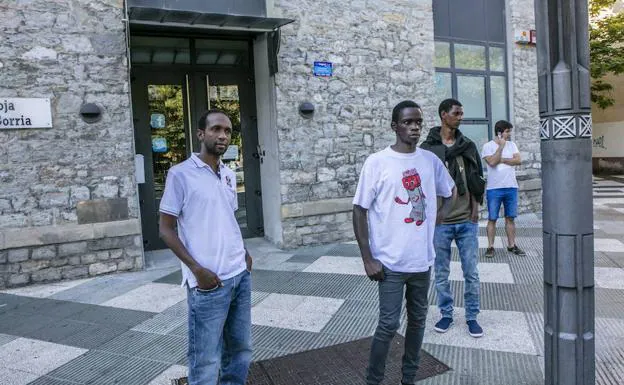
[(200, 198), (501, 155), (395, 210)]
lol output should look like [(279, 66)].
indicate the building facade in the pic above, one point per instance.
[(309, 87)]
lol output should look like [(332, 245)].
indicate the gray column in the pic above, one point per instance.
[(565, 131)]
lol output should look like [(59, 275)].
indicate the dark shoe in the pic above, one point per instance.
[(474, 329), (489, 253), (443, 325), (516, 250)]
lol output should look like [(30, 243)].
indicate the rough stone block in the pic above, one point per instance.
[(102, 255), (126, 264), (111, 243), (116, 254), (19, 279), (102, 268), (74, 272), (55, 199), (30, 266), (46, 252), (75, 260), (18, 255), (4, 256), (134, 251), (50, 274), (57, 262), (139, 262), (88, 259), (102, 210), (68, 249)]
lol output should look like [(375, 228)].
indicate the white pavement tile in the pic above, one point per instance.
[(488, 272), (608, 245), (46, 290), (152, 297), (15, 377), (483, 243), (336, 265), (505, 331), (172, 373), (609, 277), (36, 357), (295, 312)]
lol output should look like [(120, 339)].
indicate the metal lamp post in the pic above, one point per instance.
[(565, 131)]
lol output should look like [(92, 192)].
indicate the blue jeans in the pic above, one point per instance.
[(508, 197), (390, 303), (219, 320), (466, 237)]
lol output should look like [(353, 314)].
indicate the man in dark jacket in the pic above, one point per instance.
[(462, 159)]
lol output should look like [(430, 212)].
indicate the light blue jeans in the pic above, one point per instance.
[(219, 320), (465, 235)]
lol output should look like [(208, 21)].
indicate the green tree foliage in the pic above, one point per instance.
[(606, 42)]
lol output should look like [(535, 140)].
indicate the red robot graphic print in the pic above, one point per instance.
[(416, 196)]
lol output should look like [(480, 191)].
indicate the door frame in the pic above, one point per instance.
[(195, 102)]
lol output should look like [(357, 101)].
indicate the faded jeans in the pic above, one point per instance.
[(219, 320), (465, 235), (390, 304)]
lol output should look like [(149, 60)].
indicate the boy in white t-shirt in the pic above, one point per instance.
[(395, 210), (501, 155)]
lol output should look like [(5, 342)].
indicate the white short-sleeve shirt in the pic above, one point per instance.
[(503, 175), (204, 205), (400, 193)]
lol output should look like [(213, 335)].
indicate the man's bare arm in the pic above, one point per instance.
[(515, 161), (373, 267), (206, 279)]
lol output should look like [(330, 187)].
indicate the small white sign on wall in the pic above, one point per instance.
[(25, 113)]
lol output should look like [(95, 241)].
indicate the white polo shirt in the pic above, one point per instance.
[(205, 206)]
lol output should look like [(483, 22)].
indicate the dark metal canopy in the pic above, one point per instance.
[(193, 19)]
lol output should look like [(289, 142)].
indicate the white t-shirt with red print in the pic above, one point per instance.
[(400, 193)]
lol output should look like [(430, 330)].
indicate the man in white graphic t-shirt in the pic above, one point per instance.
[(395, 210), (501, 155)]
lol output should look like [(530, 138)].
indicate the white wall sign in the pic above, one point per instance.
[(25, 113)]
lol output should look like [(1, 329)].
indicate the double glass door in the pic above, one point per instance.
[(166, 107)]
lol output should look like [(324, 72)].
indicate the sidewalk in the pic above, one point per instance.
[(130, 329)]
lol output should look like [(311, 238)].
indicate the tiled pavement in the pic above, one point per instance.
[(131, 328)]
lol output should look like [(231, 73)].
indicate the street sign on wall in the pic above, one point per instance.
[(25, 113)]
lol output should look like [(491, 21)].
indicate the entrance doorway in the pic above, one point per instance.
[(175, 80)]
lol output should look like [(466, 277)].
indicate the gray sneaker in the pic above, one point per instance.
[(516, 250), (489, 253)]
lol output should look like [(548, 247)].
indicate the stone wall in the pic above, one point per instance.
[(73, 52), (524, 108), (383, 53)]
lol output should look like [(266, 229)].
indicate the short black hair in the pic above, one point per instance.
[(447, 105), (501, 126), (205, 115), (400, 107)]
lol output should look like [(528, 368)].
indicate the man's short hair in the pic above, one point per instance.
[(205, 115), (400, 107), (501, 126), (447, 105)]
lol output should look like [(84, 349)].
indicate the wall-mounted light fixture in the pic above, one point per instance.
[(306, 110), (91, 113)]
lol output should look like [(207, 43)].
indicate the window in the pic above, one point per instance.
[(470, 61)]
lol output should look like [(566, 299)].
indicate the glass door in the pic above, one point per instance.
[(233, 93), (161, 121)]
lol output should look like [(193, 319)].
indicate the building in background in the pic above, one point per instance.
[(608, 140), (309, 86)]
